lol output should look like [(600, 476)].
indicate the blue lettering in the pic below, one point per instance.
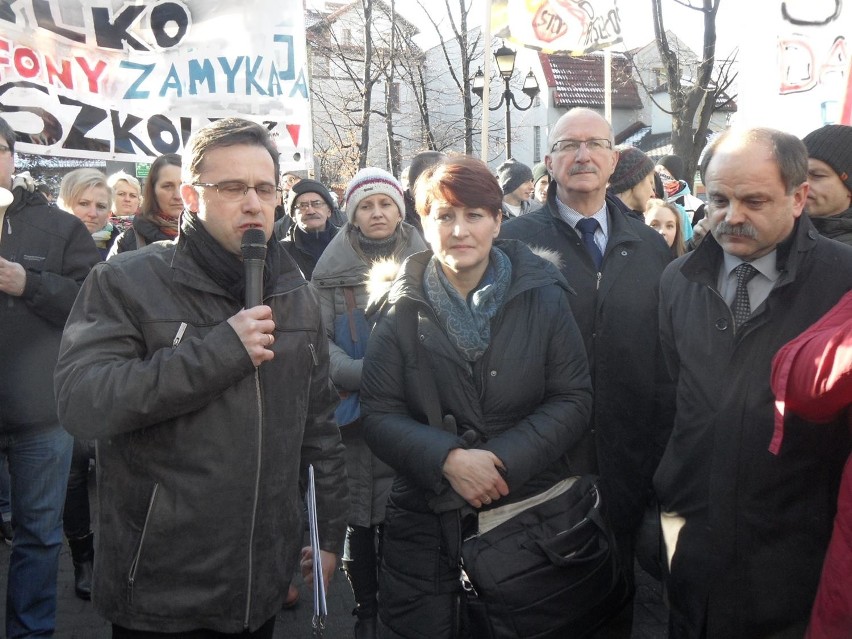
[(172, 82), (251, 74), (289, 72), (201, 73), (231, 72), (274, 85), (133, 92), (300, 86)]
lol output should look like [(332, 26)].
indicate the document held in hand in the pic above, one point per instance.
[(320, 609)]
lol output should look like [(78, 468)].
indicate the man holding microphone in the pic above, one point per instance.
[(206, 415)]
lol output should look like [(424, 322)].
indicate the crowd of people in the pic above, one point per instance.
[(444, 354)]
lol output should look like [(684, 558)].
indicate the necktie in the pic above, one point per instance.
[(587, 227), (742, 306)]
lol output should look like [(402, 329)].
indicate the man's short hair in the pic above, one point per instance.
[(8, 134), (222, 133), (790, 153)]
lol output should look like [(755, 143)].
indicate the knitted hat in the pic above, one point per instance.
[(308, 186), (539, 171), (674, 165), (633, 167), (832, 144), (372, 181), (511, 174)]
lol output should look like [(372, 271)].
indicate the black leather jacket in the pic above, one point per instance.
[(200, 453)]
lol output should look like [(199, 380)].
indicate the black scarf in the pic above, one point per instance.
[(221, 266)]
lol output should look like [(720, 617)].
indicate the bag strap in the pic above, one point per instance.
[(349, 296)]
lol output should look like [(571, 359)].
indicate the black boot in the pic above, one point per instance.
[(83, 556), (364, 584)]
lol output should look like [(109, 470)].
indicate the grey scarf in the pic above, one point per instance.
[(468, 324)]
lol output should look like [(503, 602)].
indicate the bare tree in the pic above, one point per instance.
[(693, 101), (457, 67)]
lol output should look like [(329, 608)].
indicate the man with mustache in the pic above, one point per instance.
[(746, 530), (614, 263)]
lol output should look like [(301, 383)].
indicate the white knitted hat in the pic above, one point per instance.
[(371, 181)]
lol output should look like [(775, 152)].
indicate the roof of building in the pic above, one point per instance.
[(579, 81)]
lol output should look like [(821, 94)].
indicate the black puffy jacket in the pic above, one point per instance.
[(57, 252)]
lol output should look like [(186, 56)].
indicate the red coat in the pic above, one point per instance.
[(812, 377)]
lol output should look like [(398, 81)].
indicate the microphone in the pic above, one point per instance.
[(253, 249)]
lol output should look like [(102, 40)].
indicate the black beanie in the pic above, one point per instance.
[(832, 144), (633, 167), (308, 186), (511, 174), (674, 165)]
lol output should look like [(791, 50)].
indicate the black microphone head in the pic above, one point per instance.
[(253, 246)]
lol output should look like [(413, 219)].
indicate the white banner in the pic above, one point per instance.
[(794, 65), (130, 80), (557, 26)]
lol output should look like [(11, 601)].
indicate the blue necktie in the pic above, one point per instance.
[(588, 226)]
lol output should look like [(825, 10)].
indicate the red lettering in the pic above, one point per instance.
[(26, 63), (53, 73), (92, 73), (796, 60)]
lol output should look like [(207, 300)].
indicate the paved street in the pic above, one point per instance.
[(77, 620)]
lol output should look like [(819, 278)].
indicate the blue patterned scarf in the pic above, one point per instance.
[(468, 324)]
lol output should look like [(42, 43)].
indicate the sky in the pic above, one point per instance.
[(636, 19)]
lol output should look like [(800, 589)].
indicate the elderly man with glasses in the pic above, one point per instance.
[(614, 263), (310, 207), (207, 414)]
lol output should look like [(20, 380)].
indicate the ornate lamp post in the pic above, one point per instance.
[(506, 64)]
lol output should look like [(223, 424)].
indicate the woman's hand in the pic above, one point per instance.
[(475, 475)]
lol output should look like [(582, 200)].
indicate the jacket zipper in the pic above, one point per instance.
[(179, 334), (134, 565), (255, 499), (598, 277), (313, 354)]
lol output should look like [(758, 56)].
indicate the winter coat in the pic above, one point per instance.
[(129, 240), (812, 377), (57, 252), (616, 311), (527, 399), (837, 227), (200, 454), (757, 525), (293, 243), (342, 266)]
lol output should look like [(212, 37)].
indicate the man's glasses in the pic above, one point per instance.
[(319, 205), (572, 146), (236, 191)]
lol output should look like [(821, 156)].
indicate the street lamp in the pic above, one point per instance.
[(506, 65)]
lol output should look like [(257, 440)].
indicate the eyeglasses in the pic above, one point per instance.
[(4, 148), (236, 191), (313, 204), (572, 146)]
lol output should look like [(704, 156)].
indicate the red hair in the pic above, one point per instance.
[(460, 180)]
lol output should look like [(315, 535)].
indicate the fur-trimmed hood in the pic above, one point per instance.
[(384, 273)]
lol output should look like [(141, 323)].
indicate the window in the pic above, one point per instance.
[(347, 36), (321, 65), (536, 144)]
